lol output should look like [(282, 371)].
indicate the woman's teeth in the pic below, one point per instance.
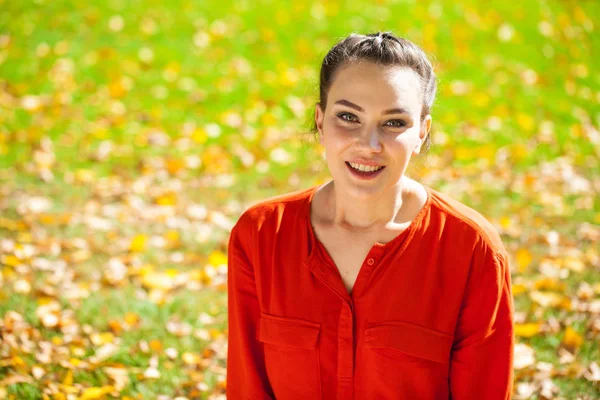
[(365, 168)]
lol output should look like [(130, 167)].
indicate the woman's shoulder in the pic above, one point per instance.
[(463, 219), (275, 207)]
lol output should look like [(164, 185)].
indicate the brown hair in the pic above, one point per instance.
[(385, 49)]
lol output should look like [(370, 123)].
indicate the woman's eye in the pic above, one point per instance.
[(396, 123), (347, 117)]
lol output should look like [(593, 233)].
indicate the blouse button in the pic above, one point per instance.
[(370, 261)]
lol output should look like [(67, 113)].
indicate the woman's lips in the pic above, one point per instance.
[(364, 175)]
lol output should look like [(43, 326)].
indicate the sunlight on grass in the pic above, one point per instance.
[(133, 135)]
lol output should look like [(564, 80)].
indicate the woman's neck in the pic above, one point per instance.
[(389, 210)]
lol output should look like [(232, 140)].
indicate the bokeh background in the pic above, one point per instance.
[(134, 133)]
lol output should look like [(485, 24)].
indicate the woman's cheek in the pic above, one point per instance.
[(407, 138), (340, 133)]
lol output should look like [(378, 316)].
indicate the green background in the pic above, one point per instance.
[(134, 133)]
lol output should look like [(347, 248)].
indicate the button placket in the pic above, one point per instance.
[(375, 254), (345, 343)]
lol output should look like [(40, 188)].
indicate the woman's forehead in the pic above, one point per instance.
[(377, 85)]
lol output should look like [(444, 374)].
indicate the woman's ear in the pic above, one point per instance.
[(319, 115), (425, 128)]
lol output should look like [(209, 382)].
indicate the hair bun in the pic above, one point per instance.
[(380, 37), (389, 36)]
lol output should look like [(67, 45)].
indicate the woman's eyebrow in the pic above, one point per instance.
[(350, 104), (396, 111), (359, 108)]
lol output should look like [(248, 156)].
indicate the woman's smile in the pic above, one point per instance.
[(364, 172)]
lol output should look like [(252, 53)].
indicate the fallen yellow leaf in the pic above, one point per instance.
[(505, 222), (525, 121), (100, 338), (519, 151), (12, 361), (116, 89), (217, 258), (572, 340), (92, 393), (68, 381), (565, 303), (199, 136), (131, 318), (172, 237), (138, 243), (199, 275), (518, 288), (115, 326), (75, 362), (14, 226), (174, 166), (574, 264), (463, 153), (167, 199), (156, 345), (523, 257), (527, 330), (158, 280), (85, 175), (10, 260), (550, 284), (172, 272), (190, 358), (546, 299)]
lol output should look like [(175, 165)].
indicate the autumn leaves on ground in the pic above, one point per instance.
[(132, 136)]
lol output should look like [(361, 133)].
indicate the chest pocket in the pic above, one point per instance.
[(291, 356), (408, 359)]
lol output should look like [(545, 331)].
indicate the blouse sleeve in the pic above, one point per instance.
[(246, 373), (481, 364)]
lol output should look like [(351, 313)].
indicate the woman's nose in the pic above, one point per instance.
[(370, 139)]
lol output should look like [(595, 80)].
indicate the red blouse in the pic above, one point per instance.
[(429, 316)]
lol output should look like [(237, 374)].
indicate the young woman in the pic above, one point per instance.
[(371, 286)]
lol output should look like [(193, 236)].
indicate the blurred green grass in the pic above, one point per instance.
[(218, 95)]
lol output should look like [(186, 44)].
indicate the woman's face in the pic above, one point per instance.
[(371, 127)]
